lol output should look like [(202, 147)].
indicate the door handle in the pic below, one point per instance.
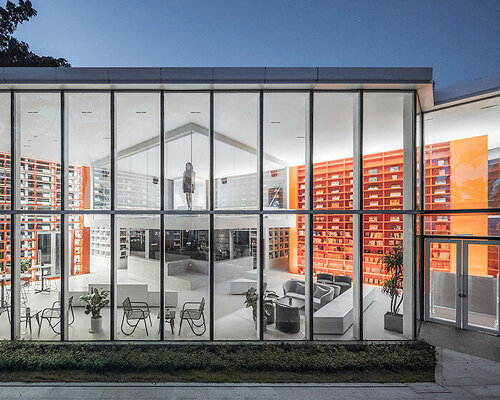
[(461, 295)]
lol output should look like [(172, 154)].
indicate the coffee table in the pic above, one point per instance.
[(285, 300), (169, 317)]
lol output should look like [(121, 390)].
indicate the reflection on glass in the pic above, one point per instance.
[(137, 150), (5, 287), (235, 272), (187, 120), (5, 151)]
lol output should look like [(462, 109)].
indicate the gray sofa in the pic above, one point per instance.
[(322, 294)]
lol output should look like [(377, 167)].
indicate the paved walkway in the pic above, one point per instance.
[(458, 376)]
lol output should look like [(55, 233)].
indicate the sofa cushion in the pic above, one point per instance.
[(319, 292), (296, 295), (293, 286), (300, 288)]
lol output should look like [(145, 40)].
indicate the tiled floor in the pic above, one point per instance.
[(233, 321)]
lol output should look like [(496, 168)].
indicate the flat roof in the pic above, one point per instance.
[(215, 75)]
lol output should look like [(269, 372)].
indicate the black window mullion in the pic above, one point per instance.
[(212, 222), (162, 217), (112, 220)]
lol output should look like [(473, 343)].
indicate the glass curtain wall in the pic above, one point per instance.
[(462, 153), (5, 186), (236, 266), (286, 129), (335, 121)]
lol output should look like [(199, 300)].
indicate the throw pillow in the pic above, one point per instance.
[(301, 288), (319, 292)]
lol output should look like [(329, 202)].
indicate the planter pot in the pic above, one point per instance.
[(393, 322), (95, 324)]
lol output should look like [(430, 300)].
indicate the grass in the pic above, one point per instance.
[(216, 362)]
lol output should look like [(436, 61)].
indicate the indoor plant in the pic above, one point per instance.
[(252, 299), (95, 301), (25, 264), (392, 261)]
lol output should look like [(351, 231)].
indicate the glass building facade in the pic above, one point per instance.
[(245, 210)]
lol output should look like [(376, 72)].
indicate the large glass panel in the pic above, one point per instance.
[(383, 272), (462, 156), (480, 224), (88, 136), (186, 276), (235, 272), (333, 288), (443, 268), (137, 150), (38, 122), (5, 293), (482, 285), (187, 120), (286, 122), (40, 276), (138, 278), (334, 121), (89, 266), (4, 151), (285, 297), (236, 124), (384, 119)]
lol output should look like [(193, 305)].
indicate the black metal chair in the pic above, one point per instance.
[(135, 311), (193, 315), (54, 312)]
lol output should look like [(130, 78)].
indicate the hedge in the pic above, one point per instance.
[(175, 358)]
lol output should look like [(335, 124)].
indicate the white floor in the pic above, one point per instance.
[(232, 320)]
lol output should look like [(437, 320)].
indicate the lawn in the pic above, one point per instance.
[(216, 362)]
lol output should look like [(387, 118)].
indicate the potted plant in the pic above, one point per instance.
[(252, 299), (25, 264), (95, 301), (392, 261)]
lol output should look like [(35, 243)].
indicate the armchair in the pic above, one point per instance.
[(135, 311), (193, 315)]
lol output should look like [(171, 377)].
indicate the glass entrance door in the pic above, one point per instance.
[(481, 285), (462, 283), (443, 266)]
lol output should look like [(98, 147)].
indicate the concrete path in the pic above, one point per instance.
[(458, 376)]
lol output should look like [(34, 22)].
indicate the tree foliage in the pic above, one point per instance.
[(16, 53)]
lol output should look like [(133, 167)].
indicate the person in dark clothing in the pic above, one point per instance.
[(188, 184)]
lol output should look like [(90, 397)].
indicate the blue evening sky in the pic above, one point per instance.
[(459, 39)]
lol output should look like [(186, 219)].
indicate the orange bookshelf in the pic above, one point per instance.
[(40, 189)]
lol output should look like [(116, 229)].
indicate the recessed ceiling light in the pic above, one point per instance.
[(486, 107), (275, 122), (32, 112), (195, 112), (86, 112), (301, 137), (54, 140), (140, 112), (35, 135), (106, 138)]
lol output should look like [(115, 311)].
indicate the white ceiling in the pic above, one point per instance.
[(286, 123)]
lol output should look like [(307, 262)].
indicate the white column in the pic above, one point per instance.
[(409, 188)]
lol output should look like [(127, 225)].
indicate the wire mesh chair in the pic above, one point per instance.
[(135, 311), (193, 315), (54, 312)]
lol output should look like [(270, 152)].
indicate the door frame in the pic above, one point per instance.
[(427, 287), (462, 290), (465, 287)]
